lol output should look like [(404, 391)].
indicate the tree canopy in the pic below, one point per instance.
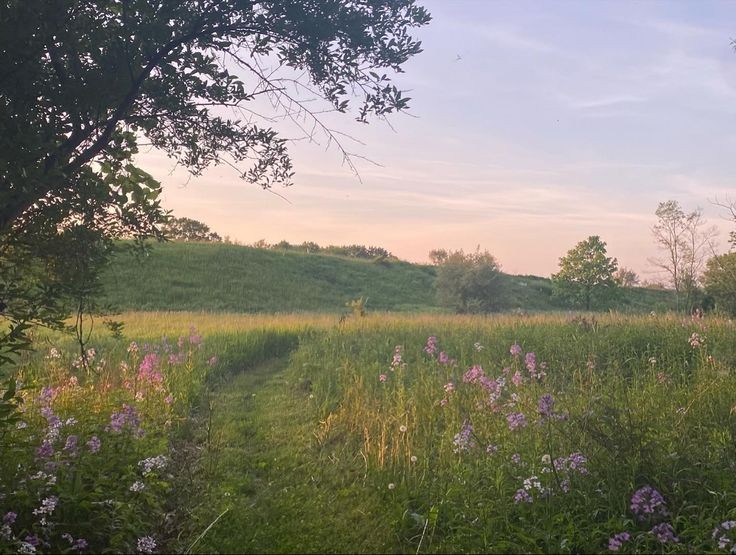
[(469, 283), (587, 274), (188, 229)]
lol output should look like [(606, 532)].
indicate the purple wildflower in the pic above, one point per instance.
[(577, 461), (522, 496), (80, 545), (546, 402), (443, 358), (194, 337), (32, 540), (531, 364), (720, 533), (71, 444), (515, 349), (146, 544), (517, 379), (94, 444), (463, 440), (9, 518), (46, 450), (516, 420), (615, 543), (648, 501), (48, 505), (492, 449), (665, 533), (472, 375), (431, 347), (516, 458)]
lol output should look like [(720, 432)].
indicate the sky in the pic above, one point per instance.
[(532, 126)]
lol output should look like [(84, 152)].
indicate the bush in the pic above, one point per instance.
[(469, 283)]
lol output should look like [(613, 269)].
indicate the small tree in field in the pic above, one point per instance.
[(469, 283), (625, 277), (586, 275)]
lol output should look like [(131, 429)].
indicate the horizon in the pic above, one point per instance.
[(528, 131)]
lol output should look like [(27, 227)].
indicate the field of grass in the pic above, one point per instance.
[(390, 433), (231, 278)]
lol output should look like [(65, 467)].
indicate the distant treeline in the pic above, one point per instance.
[(349, 251)]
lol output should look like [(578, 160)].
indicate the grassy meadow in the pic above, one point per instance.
[(203, 433), (246, 279)]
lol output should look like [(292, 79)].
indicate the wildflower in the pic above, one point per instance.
[(94, 444), (443, 358), (615, 543), (396, 360), (47, 506), (212, 360), (696, 340), (402, 429), (194, 337), (10, 517), (577, 461), (720, 533), (6, 532), (522, 496), (91, 353), (652, 361), (53, 353), (47, 395), (473, 375), (413, 458), (665, 533), (392, 486), (21, 425), (80, 545), (133, 347), (169, 399), (516, 458), (444, 402), (463, 440), (546, 402), (516, 420), (71, 444), (517, 379), (531, 363), (532, 483), (449, 387), (146, 544), (431, 347), (382, 378), (46, 450), (662, 378), (546, 459), (491, 449), (478, 347), (152, 463), (137, 486), (515, 349), (590, 365), (26, 548), (648, 501)]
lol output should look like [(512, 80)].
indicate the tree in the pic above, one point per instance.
[(83, 84), (437, 256), (470, 283), (719, 280), (686, 242), (625, 277), (586, 273), (187, 229)]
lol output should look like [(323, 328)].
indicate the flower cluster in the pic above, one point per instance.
[(721, 533), (463, 440), (647, 502), (615, 543)]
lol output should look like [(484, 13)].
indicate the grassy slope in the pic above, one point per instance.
[(218, 277)]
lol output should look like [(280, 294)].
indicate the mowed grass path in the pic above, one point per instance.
[(280, 494)]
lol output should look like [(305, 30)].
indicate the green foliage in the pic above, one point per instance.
[(187, 229), (586, 275), (82, 83), (720, 281), (469, 283)]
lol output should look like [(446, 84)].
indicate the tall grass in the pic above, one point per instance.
[(489, 464)]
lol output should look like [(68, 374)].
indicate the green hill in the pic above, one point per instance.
[(223, 277)]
